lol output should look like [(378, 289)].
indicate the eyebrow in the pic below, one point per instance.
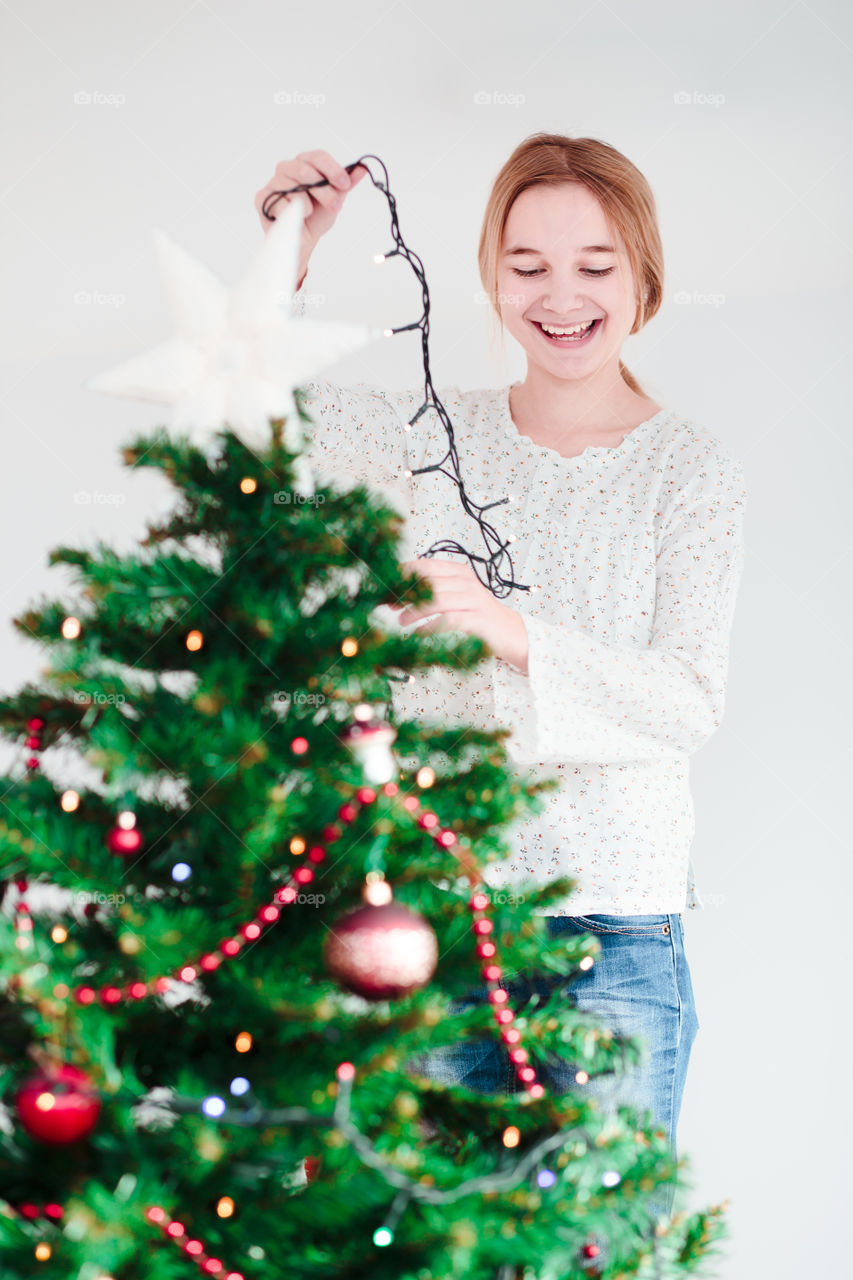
[(588, 248)]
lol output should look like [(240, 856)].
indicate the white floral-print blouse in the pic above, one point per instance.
[(637, 554)]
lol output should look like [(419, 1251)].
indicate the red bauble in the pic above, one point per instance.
[(124, 840), (381, 953), (58, 1105)]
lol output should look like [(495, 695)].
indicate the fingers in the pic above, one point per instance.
[(298, 172), (447, 622), (425, 565), (327, 167), (446, 601), (309, 167)]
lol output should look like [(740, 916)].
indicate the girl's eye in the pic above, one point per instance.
[(590, 271)]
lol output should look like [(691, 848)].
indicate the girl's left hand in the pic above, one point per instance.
[(464, 604)]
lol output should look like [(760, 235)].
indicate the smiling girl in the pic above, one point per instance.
[(628, 520)]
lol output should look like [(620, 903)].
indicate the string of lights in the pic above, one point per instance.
[(507, 1178), (489, 568), (504, 1179)]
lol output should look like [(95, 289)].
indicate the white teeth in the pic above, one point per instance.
[(565, 333)]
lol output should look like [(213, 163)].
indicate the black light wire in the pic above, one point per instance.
[(499, 585)]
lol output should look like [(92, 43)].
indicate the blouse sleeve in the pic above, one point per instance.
[(357, 433), (584, 700)]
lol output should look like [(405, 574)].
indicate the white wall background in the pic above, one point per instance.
[(752, 177)]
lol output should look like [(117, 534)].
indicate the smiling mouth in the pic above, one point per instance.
[(569, 339)]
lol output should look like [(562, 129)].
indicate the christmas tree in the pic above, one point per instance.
[(229, 942)]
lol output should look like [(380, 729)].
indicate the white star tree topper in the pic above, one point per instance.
[(236, 356)]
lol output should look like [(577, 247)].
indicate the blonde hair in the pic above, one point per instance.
[(549, 159)]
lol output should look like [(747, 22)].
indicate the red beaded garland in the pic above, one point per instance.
[(33, 740), (32, 1212), (193, 1248), (288, 894), (23, 923), (498, 996)]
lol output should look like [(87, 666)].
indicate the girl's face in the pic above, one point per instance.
[(572, 270)]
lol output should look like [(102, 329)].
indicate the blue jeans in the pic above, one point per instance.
[(639, 986)]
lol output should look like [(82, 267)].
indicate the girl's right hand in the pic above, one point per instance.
[(321, 204)]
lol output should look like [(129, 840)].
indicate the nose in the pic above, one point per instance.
[(563, 297)]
